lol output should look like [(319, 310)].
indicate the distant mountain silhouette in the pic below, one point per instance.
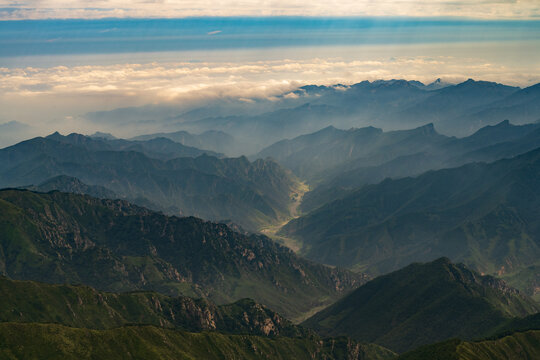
[(73, 185), (217, 141), (337, 161), (457, 110), (248, 193)]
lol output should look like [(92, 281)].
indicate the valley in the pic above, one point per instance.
[(296, 196)]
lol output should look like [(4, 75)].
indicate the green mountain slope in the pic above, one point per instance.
[(85, 307), (518, 346), (115, 246), (526, 279), (531, 322), (421, 304), (485, 215), (140, 325), (48, 341)]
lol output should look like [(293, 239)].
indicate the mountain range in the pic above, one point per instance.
[(457, 110), (317, 156), (410, 211), (51, 341), (160, 148), (490, 143), (336, 161), (247, 193), (482, 214), (84, 307), (61, 238), (110, 324), (115, 246)]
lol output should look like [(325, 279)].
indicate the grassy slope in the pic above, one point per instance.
[(82, 306), (526, 279), (421, 304), (518, 346), (60, 321), (48, 341)]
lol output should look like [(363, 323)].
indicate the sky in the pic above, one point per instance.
[(60, 60), (62, 9)]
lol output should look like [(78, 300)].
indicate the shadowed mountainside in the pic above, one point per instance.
[(422, 304), (520, 345), (337, 161), (247, 193), (485, 215)]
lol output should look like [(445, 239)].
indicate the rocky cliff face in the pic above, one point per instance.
[(82, 306), (115, 246)]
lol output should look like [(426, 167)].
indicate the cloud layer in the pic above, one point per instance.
[(55, 97), (485, 9)]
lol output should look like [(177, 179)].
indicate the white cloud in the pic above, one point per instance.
[(63, 93), (486, 9)]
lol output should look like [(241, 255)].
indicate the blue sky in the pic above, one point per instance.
[(53, 37)]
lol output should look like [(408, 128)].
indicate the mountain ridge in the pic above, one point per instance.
[(250, 194), (481, 214), (421, 304), (113, 245)]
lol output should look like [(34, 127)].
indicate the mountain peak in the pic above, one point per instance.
[(397, 84), (438, 299), (428, 129), (55, 135), (532, 90), (72, 137), (103, 135), (436, 85), (504, 123), (443, 260), (483, 84)]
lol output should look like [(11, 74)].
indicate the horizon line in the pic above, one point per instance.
[(535, 19)]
